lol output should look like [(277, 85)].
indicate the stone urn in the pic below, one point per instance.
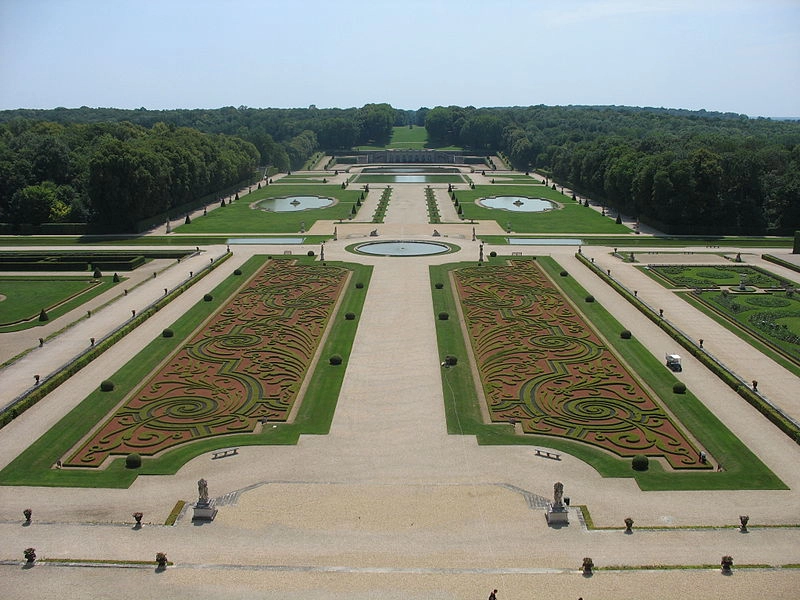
[(27, 513), (30, 555), (743, 520), (587, 565), (137, 516), (161, 560), (628, 525)]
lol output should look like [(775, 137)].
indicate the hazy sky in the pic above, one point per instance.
[(738, 56)]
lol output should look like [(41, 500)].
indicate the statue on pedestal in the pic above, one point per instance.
[(202, 492), (558, 494)]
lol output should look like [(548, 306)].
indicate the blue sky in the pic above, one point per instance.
[(723, 55)]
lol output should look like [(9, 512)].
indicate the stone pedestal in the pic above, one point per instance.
[(557, 515), (204, 511)]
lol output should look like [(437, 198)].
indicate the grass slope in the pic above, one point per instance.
[(743, 470)]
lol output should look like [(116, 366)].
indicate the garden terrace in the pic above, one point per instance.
[(245, 366), (543, 366), (715, 276)]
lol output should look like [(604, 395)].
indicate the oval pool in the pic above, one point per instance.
[(293, 203), (518, 203), (400, 248)]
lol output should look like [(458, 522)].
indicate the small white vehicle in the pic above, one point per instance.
[(674, 362)]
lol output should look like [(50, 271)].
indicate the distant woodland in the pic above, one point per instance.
[(683, 172)]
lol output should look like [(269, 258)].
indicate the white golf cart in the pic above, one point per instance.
[(674, 362)]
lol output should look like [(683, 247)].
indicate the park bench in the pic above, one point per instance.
[(547, 454), (223, 453), (516, 254)]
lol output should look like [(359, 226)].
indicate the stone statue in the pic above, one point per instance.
[(558, 494), (202, 491)]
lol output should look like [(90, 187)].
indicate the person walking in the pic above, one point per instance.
[(493, 595)]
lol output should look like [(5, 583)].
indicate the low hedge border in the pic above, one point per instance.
[(27, 399), (764, 406), (780, 262)]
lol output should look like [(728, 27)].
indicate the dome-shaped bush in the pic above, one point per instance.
[(310, 253), (450, 360), (590, 298), (640, 463), (335, 359), (493, 254), (350, 316), (208, 297), (133, 461), (564, 273), (359, 285), (679, 388), (107, 385), (625, 334), (167, 333), (443, 316), (237, 272), (438, 286)]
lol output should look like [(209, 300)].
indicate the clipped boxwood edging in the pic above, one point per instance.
[(27, 399), (763, 406)]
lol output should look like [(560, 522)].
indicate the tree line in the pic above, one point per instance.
[(689, 172), (678, 170), (111, 175)]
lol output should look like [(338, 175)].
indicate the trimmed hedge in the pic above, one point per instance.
[(350, 316), (107, 385), (208, 297), (443, 316), (625, 334), (679, 388), (167, 333), (640, 463), (335, 360), (133, 461)]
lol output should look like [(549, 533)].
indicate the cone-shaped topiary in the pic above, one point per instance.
[(43, 316)]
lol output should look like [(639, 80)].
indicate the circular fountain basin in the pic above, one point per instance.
[(402, 248), (518, 203), (293, 203)]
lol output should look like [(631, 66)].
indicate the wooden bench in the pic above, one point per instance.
[(547, 454), (223, 453), (516, 254)]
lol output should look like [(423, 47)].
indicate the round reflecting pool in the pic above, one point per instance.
[(398, 248), (518, 203), (293, 203)]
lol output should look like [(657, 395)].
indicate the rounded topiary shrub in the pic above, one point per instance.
[(450, 360), (335, 359), (679, 388), (438, 286), (208, 297), (350, 316), (563, 273), (443, 316), (237, 272), (590, 298), (167, 333), (640, 463), (133, 461), (359, 285), (106, 385), (493, 254), (310, 253), (625, 334)]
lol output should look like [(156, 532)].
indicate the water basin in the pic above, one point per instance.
[(518, 203), (293, 203), (416, 169), (398, 248), (515, 241), (266, 240)]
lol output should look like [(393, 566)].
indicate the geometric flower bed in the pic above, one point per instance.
[(246, 364), (542, 365), (712, 276)]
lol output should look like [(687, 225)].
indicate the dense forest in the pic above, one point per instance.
[(680, 171)]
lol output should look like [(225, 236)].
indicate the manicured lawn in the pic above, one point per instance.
[(666, 241), (405, 137), (26, 296), (571, 218), (706, 276), (239, 217), (743, 470), (33, 466)]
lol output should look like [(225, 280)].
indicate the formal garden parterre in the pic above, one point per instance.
[(243, 367), (543, 366)]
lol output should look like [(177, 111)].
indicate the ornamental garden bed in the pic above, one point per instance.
[(244, 366), (543, 366)]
